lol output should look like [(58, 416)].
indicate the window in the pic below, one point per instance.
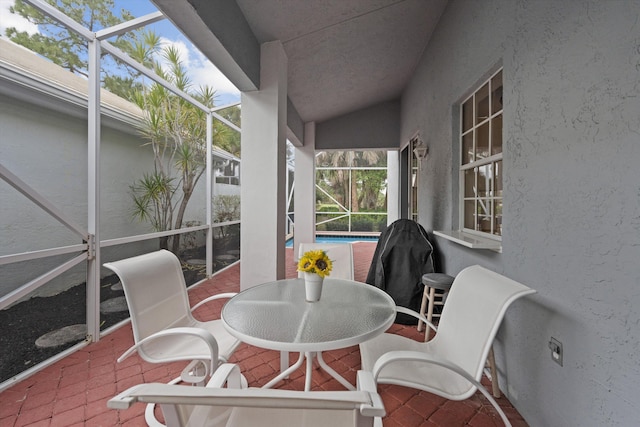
[(481, 160), (227, 171)]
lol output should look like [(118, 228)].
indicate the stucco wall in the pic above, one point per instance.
[(372, 128), (571, 192), (47, 149)]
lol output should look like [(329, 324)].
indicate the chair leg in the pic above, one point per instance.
[(495, 388), (196, 373), (284, 361), (432, 296), (423, 307)]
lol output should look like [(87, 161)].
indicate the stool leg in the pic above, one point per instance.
[(423, 306), (432, 292), (495, 388)]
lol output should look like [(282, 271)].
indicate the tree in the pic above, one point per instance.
[(176, 130), (231, 144), (372, 183), (336, 179), (361, 159), (345, 184), (68, 49)]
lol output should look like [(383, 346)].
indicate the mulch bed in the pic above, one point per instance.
[(23, 323)]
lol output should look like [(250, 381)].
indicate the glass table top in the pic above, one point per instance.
[(275, 315)]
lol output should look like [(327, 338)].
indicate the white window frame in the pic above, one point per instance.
[(487, 204)]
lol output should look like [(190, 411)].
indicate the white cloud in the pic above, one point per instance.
[(8, 19), (204, 72)]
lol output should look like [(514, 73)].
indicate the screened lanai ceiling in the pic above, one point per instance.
[(343, 55)]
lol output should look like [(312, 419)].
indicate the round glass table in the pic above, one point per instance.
[(276, 316)]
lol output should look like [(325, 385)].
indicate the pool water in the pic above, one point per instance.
[(339, 239)]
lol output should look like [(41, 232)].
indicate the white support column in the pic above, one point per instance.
[(393, 186), (263, 174), (208, 196), (305, 191), (93, 196)]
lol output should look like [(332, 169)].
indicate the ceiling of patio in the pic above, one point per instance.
[(343, 55)]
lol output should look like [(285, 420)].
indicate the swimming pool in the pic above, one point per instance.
[(339, 239)]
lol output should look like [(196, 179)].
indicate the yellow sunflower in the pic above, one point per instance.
[(315, 262)]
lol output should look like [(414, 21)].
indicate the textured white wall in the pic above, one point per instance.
[(571, 192), (368, 129), (47, 149)]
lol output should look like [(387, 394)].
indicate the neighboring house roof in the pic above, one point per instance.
[(29, 77)]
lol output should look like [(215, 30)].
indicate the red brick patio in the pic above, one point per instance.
[(74, 391)]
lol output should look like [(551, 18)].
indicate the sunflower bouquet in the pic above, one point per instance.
[(315, 262)]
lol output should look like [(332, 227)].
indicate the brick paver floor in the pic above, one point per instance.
[(74, 390)]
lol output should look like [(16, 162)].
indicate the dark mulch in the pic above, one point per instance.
[(23, 323)]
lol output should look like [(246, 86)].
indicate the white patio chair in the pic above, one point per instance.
[(340, 254), (214, 406), (451, 364), (164, 329)]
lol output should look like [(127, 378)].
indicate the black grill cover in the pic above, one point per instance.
[(402, 256)]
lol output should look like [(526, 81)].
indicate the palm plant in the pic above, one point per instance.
[(173, 128), (362, 159), (337, 180), (176, 131), (152, 195), (344, 184)]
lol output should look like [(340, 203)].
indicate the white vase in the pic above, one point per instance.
[(312, 287)]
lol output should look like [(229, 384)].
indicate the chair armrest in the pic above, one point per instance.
[(125, 400), (416, 356), (229, 374), (417, 315), (365, 382), (248, 397), (203, 334), (214, 297)]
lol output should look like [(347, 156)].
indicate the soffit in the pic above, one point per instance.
[(345, 55)]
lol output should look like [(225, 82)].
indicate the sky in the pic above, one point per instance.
[(201, 70)]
